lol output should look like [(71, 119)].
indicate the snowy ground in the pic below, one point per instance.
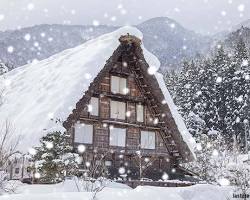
[(114, 191)]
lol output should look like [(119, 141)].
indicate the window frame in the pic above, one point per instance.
[(81, 142), (147, 146), (143, 114), (117, 144), (117, 105), (120, 90), (98, 107)]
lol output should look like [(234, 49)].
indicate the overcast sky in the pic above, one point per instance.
[(199, 15)]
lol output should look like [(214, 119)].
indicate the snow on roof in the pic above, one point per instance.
[(36, 93)]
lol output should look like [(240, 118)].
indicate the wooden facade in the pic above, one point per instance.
[(138, 113)]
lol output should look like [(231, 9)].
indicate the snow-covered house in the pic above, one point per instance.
[(126, 110), (118, 104)]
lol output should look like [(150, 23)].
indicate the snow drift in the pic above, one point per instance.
[(36, 93)]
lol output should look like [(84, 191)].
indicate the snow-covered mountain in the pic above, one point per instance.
[(36, 93), (167, 39)]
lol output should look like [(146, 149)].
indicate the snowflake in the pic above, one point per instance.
[(1, 17), (244, 63), (156, 121), (218, 79), (113, 18), (105, 125), (90, 108), (37, 175), (164, 101), (125, 90), (247, 77), (223, 13), (128, 114), (240, 98), (36, 44), (43, 34), (165, 176), (96, 23), (73, 12), (30, 6), (27, 37), (241, 7), (224, 182), (152, 70), (111, 127), (87, 164), (32, 151), (123, 11), (49, 145), (10, 49), (50, 115), (172, 25), (50, 39), (184, 47), (215, 153), (199, 147), (87, 76), (81, 148), (121, 170)]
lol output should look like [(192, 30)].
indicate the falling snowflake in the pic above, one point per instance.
[(241, 7), (49, 145), (96, 23), (244, 63), (125, 90), (223, 13), (27, 37), (240, 98), (152, 70), (218, 79), (43, 34), (87, 164), (50, 115), (10, 49), (30, 6), (32, 151), (50, 39), (128, 114), (1, 17), (247, 77), (172, 25), (113, 18), (199, 147), (215, 153), (81, 148), (165, 176), (156, 121), (37, 175), (121, 170), (224, 182)]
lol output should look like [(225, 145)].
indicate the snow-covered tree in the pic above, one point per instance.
[(54, 159)]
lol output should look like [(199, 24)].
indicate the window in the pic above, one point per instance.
[(117, 110), (147, 139), (119, 85), (139, 113), (93, 106), (117, 137), (83, 133), (16, 170)]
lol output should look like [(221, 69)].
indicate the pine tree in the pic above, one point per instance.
[(53, 159)]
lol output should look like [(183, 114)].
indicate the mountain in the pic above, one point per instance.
[(167, 39), (171, 42), (232, 38), (22, 46), (36, 93)]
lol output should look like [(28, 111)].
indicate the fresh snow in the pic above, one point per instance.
[(114, 191), (36, 93)]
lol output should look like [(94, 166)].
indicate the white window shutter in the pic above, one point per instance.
[(114, 109), (117, 137), (147, 140), (83, 133), (115, 83), (139, 113), (123, 86), (121, 110), (94, 102)]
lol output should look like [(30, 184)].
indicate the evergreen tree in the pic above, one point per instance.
[(53, 159)]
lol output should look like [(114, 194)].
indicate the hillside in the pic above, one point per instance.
[(167, 39)]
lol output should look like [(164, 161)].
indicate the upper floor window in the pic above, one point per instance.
[(93, 107), (83, 133), (117, 110), (117, 137), (119, 85), (147, 140), (139, 113)]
